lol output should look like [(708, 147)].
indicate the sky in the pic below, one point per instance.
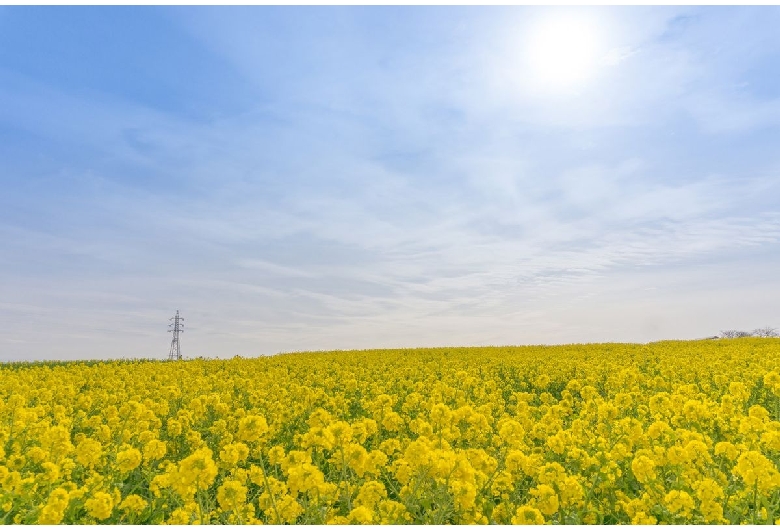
[(319, 178)]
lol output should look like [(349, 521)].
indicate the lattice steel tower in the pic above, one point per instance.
[(177, 326)]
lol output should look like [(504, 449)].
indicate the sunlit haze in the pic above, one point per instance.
[(563, 50)]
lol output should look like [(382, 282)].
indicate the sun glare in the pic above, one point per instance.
[(563, 51)]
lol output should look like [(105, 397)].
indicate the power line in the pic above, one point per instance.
[(177, 326)]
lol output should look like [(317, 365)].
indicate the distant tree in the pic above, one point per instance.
[(734, 334), (765, 332)]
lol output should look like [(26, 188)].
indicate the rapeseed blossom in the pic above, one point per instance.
[(128, 459), (671, 432), (133, 503), (100, 505)]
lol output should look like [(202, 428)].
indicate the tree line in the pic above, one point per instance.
[(758, 332)]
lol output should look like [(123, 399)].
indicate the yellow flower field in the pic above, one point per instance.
[(673, 432)]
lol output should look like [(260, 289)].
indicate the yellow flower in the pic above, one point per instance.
[(88, 452), (54, 510), (679, 502), (104, 433), (276, 455), (708, 490), (252, 427), (364, 428), (551, 473), (59, 497), (180, 516), (357, 458), (772, 381), (288, 509), (128, 459), (304, 478), (51, 472), (9, 480), (712, 512), (641, 518), (571, 492), (515, 461), (370, 494), (134, 504), (643, 468), (440, 416), (256, 475), (232, 454), (658, 429), (390, 446), (361, 515), (546, 499), (558, 442), (100, 505), (341, 432), (154, 450), (231, 494), (464, 494), (392, 421), (198, 469), (36, 454), (16, 462), (543, 381), (739, 391), (527, 515), (393, 512), (726, 449), (51, 515), (174, 427), (677, 455), (756, 469)]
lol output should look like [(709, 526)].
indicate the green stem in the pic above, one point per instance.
[(268, 489)]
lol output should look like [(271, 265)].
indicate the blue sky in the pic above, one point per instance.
[(299, 178)]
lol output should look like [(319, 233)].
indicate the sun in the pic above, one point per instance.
[(562, 51)]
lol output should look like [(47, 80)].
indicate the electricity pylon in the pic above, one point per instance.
[(177, 326)]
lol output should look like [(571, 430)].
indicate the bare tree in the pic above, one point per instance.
[(734, 334), (766, 331)]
